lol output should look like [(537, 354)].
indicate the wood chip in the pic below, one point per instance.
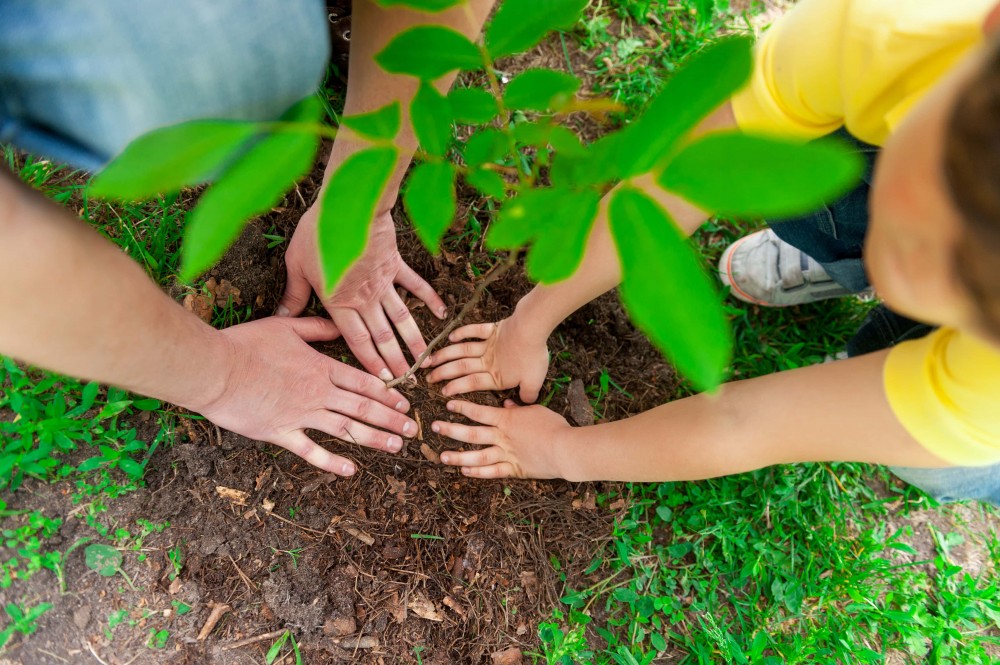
[(424, 608), (429, 453), (218, 610), (363, 642), (420, 426), (455, 606), (239, 497), (511, 656), (580, 410), (366, 538)]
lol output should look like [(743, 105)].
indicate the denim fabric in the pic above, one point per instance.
[(79, 80), (834, 236)]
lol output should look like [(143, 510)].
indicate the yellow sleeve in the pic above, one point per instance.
[(945, 390), (860, 63)]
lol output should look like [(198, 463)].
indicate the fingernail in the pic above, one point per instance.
[(445, 459), (395, 444), (450, 406), (436, 428), (385, 374), (401, 406), (413, 379), (428, 361), (442, 311), (347, 469), (410, 428), (282, 311)]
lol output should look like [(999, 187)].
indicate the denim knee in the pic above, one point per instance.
[(78, 81), (980, 483)]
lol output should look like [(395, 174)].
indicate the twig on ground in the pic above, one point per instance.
[(477, 295), (253, 640), (94, 653), (218, 609)]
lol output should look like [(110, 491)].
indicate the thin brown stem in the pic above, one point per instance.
[(477, 295)]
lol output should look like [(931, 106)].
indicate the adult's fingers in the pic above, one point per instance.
[(366, 410), (360, 341), (453, 370), (300, 444), (485, 415), (298, 290), (481, 457), (456, 351), (470, 384), (385, 339), (399, 314), (315, 329), (530, 389), (362, 383), (418, 286), (473, 330), (351, 431), (481, 436)]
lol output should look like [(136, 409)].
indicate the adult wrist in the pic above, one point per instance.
[(214, 373)]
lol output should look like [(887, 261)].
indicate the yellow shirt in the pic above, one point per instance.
[(863, 64)]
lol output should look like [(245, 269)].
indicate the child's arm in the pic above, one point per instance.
[(831, 412), (509, 355)]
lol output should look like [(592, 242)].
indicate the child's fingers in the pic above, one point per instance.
[(456, 351), (470, 384), (473, 330), (486, 415), (501, 470), (481, 457), (457, 368), (480, 436)]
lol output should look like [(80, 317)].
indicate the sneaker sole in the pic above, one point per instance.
[(726, 269)]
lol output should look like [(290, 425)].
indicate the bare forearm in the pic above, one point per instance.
[(75, 304), (832, 412), (546, 306), (370, 87)]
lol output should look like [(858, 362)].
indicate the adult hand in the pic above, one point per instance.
[(506, 357), (365, 306), (278, 386), (519, 441)]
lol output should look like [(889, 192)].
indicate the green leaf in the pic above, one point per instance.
[(250, 187), (701, 85), (485, 146), (520, 24), (347, 209), (489, 183), (430, 114), (167, 159), (382, 124), (429, 52), (131, 468), (427, 6), (557, 221), (540, 90), (752, 176), (430, 201), (104, 559), (147, 404), (472, 106), (666, 290), (275, 649)]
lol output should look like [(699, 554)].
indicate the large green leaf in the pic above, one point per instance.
[(520, 24), (751, 176), (429, 6), (429, 52), (167, 159), (347, 208), (472, 106), (489, 183), (701, 85), (485, 146), (430, 114), (249, 187), (667, 292), (381, 124), (540, 90), (429, 199), (557, 221), (104, 559)]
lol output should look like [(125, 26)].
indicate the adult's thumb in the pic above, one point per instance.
[(529, 392), (296, 297)]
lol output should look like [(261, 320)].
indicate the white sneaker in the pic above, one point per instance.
[(763, 269)]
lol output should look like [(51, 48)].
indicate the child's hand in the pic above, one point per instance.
[(520, 441), (505, 358)]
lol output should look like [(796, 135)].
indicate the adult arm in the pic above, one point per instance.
[(366, 306), (75, 304), (823, 413)]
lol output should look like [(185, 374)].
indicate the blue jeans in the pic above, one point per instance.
[(79, 80), (834, 236)]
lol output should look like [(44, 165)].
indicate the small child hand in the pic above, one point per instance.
[(503, 359), (520, 441)]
